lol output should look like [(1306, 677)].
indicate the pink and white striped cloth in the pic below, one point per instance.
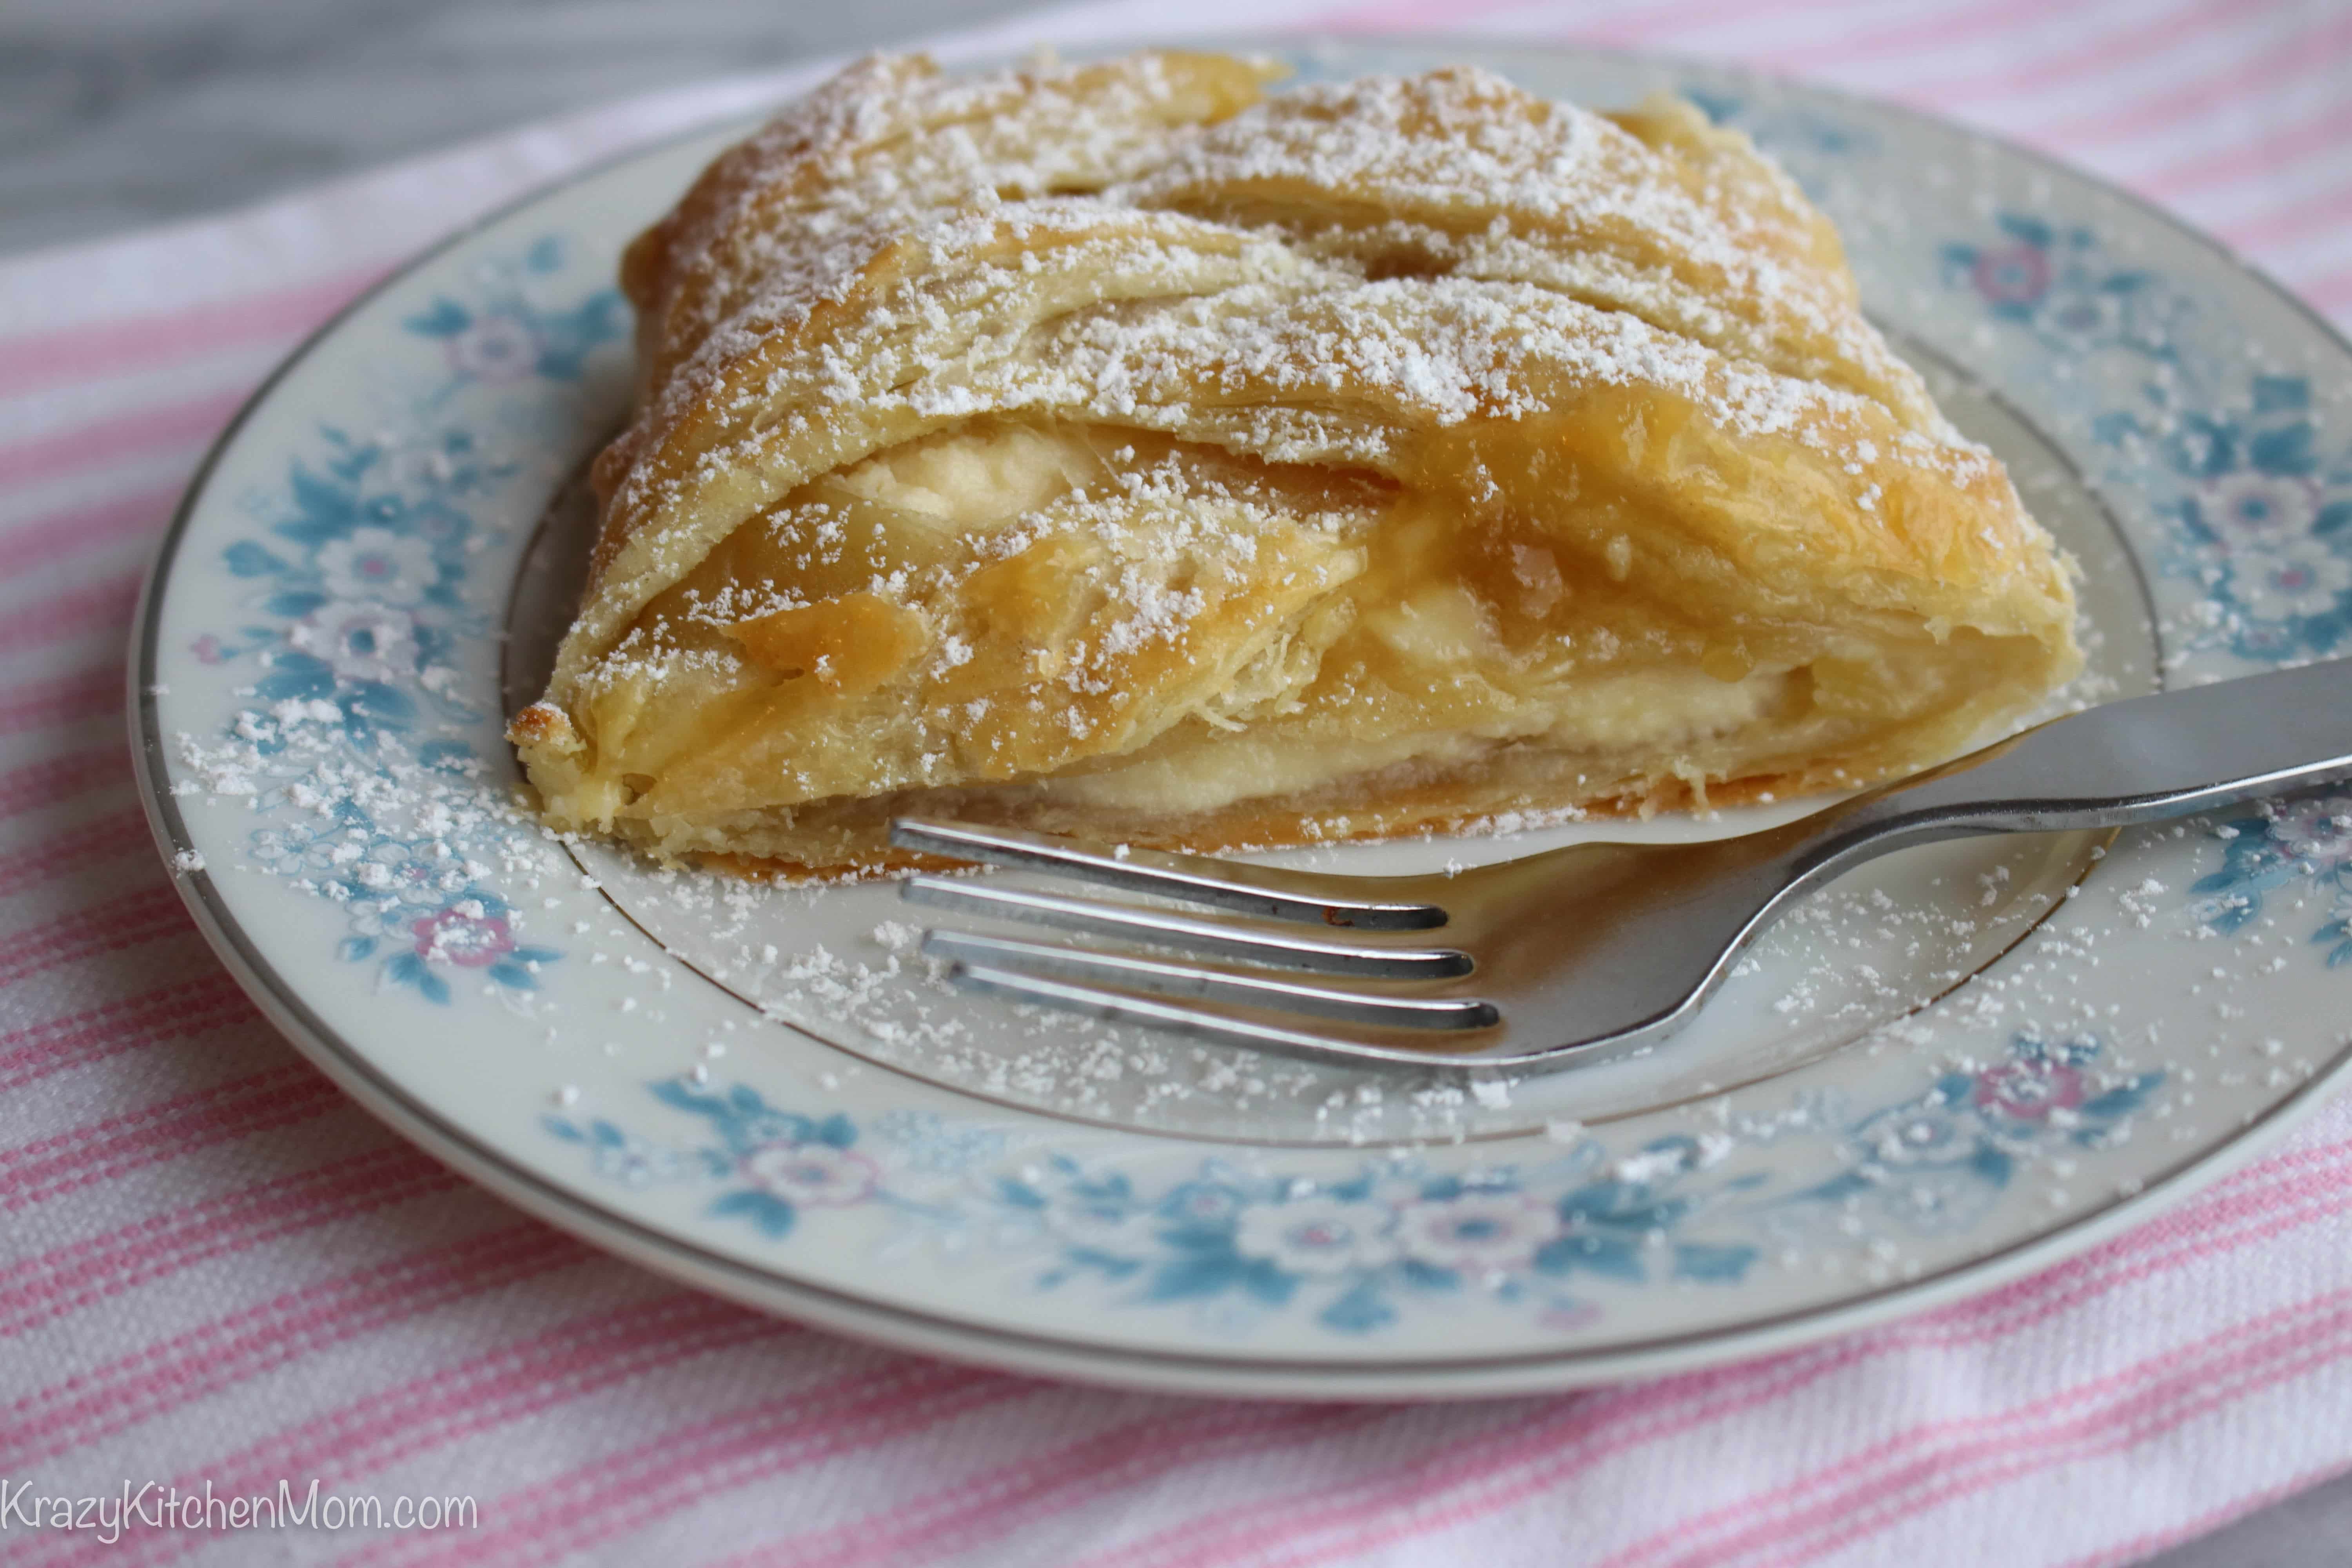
[(214, 1268)]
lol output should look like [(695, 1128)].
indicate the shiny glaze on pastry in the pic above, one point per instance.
[(1117, 449)]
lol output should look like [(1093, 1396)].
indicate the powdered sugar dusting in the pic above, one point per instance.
[(1315, 277)]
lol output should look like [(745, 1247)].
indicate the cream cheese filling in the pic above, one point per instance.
[(975, 477), (1635, 715)]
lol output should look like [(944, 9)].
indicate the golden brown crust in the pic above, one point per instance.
[(1272, 826), (540, 724), (1106, 450)]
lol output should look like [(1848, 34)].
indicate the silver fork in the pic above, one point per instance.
[(1592, 951)]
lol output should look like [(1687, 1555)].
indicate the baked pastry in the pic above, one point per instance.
[(1117, 449)]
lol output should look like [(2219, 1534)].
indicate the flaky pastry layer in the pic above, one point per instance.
[(1115, 450)]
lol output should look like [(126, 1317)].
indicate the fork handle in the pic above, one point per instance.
[(2136, 760)]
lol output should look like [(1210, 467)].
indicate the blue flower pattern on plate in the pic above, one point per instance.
[(507, 335), (1356, 1252), (2264, 519), (358, 587), (1937, 1163), (2053, 281), (2260, 514), (774, 1164), (2292, 840)]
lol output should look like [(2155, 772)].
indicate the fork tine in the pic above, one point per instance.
[(1117, 1007), (1266, 890), (1032, 958), (1229, 939)]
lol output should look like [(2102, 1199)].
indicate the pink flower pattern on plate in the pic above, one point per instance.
[(467, 939)]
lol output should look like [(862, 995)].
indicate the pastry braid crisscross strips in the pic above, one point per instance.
[(1107, 451)]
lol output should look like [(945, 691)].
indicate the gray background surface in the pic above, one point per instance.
[(115, 113), (118, 113)]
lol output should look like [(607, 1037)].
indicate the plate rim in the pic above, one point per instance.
[(1129, 1367)]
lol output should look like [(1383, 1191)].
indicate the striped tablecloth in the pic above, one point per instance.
[(213, 1270)]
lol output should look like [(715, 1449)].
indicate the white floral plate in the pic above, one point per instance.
[(1960, 1063)]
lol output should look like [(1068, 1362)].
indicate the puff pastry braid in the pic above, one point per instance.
[(1117, 449)]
